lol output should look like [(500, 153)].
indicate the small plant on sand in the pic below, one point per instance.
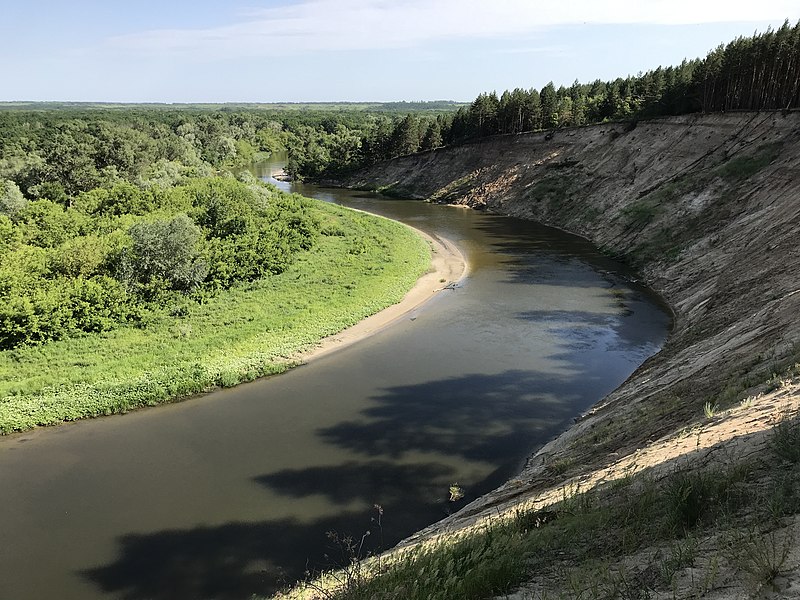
[(350, 572), (456, 492), (786, 440), (682, 554), (710, 409), (760, 557), (685, 500)]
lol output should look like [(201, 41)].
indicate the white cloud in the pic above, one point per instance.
[(335, 25)]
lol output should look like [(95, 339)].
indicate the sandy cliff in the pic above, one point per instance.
[(707, 207)]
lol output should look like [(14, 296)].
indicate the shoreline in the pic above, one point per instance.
[(727, 381), (447, 263)]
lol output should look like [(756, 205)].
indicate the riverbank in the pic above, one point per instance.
[(705, 207), (448, 267), (250, 331)]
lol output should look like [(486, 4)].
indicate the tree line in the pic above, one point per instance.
[(761, 72), (109, 216)]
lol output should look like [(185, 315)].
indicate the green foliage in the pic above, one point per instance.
[(313, 151), (112, 210), (85, 256), (785, 440), (187, 346), (689, 498), (11, 199), (246, 257), (755, 73), (61, 154), (121, 199), (224, 207), (59, 307), (163, 251), (744, 167), (10, 236), (46, 224), (710, 409), (252, 230), (144, 239)]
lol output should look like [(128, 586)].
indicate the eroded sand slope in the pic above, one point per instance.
[(707, 207)]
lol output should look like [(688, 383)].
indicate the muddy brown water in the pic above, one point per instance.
[(232, 494)]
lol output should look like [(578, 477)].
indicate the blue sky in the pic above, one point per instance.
[(349, 50)]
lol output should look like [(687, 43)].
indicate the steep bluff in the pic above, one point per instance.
[(707, 207)]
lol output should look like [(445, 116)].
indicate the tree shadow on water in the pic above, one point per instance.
[(410, 496), (536, 253), (492, 419), (235, 561), (477, 417), (371, 482)]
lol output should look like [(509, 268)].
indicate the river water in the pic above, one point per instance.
[(232, 493)]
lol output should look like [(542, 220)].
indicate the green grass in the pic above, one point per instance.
[(742, 167), (786, 440), (552, 189), (363, 265)]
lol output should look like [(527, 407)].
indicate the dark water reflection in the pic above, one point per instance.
[(232, 494)]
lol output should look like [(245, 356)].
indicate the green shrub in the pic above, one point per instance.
[(11, 199), (165, 250), (744, 167), (785, 440)]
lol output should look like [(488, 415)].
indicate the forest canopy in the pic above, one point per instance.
[(118, 255), (141, 261)]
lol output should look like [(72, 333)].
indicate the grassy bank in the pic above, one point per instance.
[(360, 265)]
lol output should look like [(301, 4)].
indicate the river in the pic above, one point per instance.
[(231, 494)]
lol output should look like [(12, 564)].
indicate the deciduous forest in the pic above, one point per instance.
[(140, 261)]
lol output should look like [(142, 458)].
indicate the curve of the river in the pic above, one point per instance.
[(232, 493)]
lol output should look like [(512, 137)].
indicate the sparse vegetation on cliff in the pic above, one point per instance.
[(572, 548), (705, 207)]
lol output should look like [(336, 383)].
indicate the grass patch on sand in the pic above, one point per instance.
[(360, 265)]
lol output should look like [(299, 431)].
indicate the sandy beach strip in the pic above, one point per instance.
[(448, 267)]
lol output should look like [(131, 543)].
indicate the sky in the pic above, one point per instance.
[(349, 50)]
